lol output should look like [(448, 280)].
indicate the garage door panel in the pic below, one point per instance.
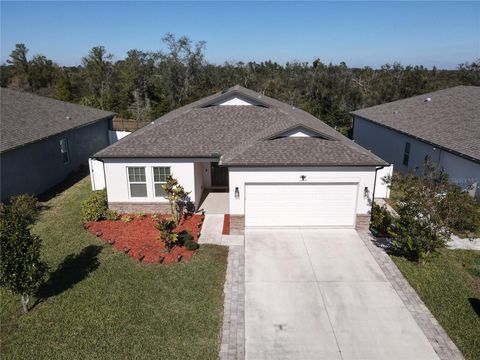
[(300, 205)]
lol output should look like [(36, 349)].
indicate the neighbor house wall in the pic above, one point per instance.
[(36, 167), (364, 176), (390, 145)]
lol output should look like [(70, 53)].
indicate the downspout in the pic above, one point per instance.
[(374, 188), (92, 171)]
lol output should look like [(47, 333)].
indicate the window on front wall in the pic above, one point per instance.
[(159, 178), (137, 182), (64, 150), (406, 154)]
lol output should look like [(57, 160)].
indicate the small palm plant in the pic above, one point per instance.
[(177, 197), (166, 227)]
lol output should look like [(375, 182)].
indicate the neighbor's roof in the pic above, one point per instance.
[(241, 135), (448, 119), (26, 118)]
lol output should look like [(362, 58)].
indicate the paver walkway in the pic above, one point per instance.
[(440, 341), (466, 244)]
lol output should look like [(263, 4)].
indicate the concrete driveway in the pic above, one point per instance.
[(319, 294)]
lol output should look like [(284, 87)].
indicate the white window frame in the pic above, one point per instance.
[(159, 182), (64, 150), (137, 182)]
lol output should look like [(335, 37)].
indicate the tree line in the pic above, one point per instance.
[(148, 84)]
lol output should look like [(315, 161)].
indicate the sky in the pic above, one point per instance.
[(443, 34)]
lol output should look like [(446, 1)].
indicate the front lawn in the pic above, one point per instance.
[(449, 284), (101, 304)]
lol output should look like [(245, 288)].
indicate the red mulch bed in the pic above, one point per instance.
[(226, 224), (142, 238)]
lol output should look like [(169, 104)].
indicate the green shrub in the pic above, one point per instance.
[(21, 269), (25, 205), (166, 227), (427, 205), (191, 245), (111, 215), (140, 215), (126, 218), (382, 220), (468, 219), (95, 208), (184, 236)]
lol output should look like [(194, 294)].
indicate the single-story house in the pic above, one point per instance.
[(276, 164), (443, 124), (44, 140)]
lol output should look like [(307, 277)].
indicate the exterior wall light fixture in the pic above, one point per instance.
[(303, 177), (366, 192), (237, 193)]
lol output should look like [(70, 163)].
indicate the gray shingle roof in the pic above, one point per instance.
[(450, 120), (241, 135), (291, 151), (26, 118)]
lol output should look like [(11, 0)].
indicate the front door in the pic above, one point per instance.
[(219, 175)]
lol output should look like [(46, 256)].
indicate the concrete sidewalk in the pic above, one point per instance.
[(320, 294), (212, 232)]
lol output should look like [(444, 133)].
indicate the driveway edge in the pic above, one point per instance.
[(232, 345), (436, 335)]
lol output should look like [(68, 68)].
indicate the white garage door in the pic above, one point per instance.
[(328, 205)]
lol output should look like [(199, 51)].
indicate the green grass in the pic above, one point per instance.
[(449, 284), (101, 304)]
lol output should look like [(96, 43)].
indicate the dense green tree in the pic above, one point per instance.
[(63, 88), (146, 85), (98, 70), (41, 72), (18, 61), (21, 269)]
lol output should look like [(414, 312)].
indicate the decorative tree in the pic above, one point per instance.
[(21, 270), (166, 227), (177, 197), (428, 206)]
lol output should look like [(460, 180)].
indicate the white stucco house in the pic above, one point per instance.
[(266, 163), (444, 125)]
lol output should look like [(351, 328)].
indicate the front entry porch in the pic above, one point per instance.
[(215, 202)]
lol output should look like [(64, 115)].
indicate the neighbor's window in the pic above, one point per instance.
[(406, 154), (160, 177), (64, 150), (137, 182)]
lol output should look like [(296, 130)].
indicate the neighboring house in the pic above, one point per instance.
[(276, 165), (43, 140), (443, 124)]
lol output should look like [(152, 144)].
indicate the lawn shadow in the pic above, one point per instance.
[(475, 303), (73, 269), (69, 181)]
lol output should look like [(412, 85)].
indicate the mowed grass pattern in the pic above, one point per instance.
[(449, 284), (101, 304)]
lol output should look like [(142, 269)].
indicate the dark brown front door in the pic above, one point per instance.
[(219, 175)]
